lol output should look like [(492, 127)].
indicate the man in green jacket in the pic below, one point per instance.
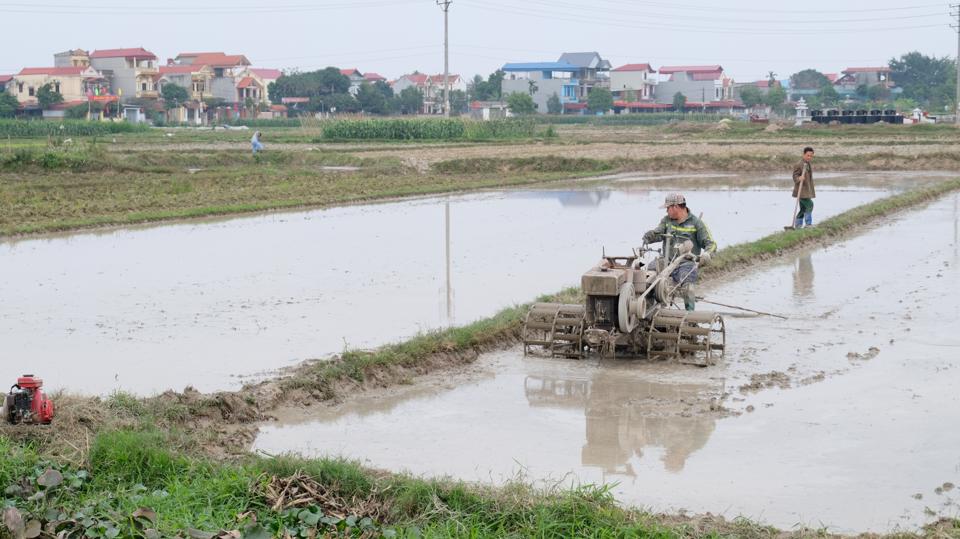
[(683, 225), (803, 188)]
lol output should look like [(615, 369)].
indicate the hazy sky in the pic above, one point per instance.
[(748, 37)]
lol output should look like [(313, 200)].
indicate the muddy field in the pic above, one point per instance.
[(839, 417), (120, 308)]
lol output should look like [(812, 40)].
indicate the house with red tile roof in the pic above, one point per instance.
[(232, 79), (635, 81), (73, 83), (372, 77), (133, 72), (431, 86), (4, 80)]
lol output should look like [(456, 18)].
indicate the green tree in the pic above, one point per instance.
[(553, 104), (486, 90), (324, 82), (751, 96), (371, 99), (8, 105), (48, 96), (771, 78), (599, 100), (928, 80), (679, 102), (775, 97), (808, 79), (521, 103), (342, 102), (458, 102), (410, 100), (878, 93), (173, 95), (828, 96), (383, 88)]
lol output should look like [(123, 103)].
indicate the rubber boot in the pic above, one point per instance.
[(808, 220), (689, 297), (798, 223)]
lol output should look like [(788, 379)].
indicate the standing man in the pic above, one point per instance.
[(684, 226), (803, 188)]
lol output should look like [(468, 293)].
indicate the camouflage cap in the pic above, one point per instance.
[(673, 199)]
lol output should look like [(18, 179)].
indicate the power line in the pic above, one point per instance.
[(98, 10), (560, 16), (819, 12), (648, 15)]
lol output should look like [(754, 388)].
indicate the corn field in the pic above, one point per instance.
[(427, 129), (67, 128)]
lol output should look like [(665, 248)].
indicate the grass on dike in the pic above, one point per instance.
[(130, 470)]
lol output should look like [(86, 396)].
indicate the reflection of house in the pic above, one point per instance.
[(431, 86), (699, 84), (132, 72), (73, 83)]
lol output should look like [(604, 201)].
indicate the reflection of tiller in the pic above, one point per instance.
[(618, 321), (26, 403)]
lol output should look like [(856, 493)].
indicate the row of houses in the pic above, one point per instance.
[(124, 76), (135, 75), (638, 87)]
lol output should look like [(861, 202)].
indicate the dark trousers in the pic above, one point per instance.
[(805, 215)]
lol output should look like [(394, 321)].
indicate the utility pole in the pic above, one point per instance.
[(956, 108), (445, 5)]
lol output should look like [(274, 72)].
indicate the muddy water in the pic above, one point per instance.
[(843, 416), (205, 303)]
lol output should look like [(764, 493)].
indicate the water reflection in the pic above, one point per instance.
[(571, 198), (803, 277), (625, 415)]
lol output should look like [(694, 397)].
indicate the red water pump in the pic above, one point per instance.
[(26, 403)]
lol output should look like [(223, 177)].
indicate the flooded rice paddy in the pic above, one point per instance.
[(212, 303), (843, 416)]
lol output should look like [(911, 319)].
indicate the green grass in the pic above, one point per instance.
[(131, 471)]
